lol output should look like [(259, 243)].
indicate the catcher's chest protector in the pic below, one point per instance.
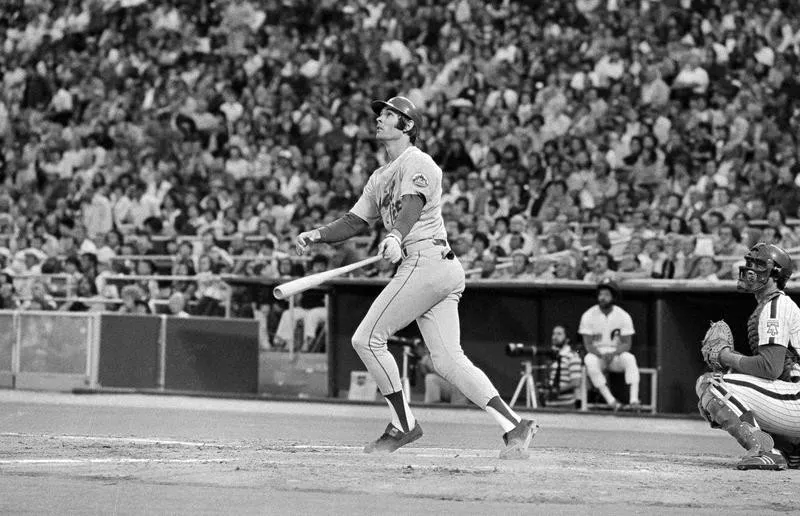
[(792, 357)]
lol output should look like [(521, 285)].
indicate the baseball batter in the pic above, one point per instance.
[(758, 400), (405, 194)]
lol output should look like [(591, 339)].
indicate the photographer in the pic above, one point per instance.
[(565, 369)]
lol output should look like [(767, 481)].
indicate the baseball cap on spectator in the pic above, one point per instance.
[(35, 253)]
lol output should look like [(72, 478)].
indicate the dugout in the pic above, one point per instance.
[(670, 318)]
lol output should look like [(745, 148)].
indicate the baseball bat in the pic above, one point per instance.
[(293, 287)]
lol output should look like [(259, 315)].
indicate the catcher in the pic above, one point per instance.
[(757, 400)]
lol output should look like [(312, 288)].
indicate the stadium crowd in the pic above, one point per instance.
[(580, 139)]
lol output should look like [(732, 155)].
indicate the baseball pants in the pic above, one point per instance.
[(775, 404), (624, 362), (426, 288)]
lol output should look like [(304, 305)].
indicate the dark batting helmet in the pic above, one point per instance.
[(405, 108), (764, 261)]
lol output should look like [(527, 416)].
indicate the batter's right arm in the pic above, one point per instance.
[(352, 223), (349, 225)]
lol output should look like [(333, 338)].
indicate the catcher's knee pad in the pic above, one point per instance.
[(718, 405)]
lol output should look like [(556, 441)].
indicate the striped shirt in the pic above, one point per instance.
[(570, 374)]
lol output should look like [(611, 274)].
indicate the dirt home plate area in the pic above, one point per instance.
[(132, 454)]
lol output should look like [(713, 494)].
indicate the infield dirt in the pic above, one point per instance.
[(144, 455)]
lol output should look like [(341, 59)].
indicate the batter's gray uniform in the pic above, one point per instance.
[(427, 285)]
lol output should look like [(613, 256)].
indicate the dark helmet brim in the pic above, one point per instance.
[(378, 105)]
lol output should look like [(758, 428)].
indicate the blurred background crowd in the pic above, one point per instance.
[(193, 139)]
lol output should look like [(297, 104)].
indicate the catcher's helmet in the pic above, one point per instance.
[(610, 285), (404, 108), (764, 261)]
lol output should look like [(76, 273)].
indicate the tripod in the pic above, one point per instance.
[(531, 398)]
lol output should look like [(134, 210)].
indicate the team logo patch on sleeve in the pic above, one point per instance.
[(419, 180), (772, 327)]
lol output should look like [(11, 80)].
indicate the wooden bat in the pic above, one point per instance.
[(293, 287)]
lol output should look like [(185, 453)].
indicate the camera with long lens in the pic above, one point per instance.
[(519, 349)]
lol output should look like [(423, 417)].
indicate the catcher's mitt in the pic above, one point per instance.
[(718, 337)]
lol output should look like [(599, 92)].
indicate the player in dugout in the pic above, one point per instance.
[(607, 332), (405, 194), (756, 398)]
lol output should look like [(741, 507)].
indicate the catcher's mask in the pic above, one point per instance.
[(762, 262)]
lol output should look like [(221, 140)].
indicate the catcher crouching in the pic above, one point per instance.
[(757, 400)]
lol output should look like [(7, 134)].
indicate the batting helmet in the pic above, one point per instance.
[(764, 261), (610, 285), (405, 108)]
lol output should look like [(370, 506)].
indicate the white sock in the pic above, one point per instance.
[(634, 391), (501, 419)]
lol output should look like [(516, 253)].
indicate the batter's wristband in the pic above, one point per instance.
[(394, 236)]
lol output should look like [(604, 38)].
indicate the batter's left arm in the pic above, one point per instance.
[(410, 212)]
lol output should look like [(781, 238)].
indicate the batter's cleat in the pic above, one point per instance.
[(392, 439), (768, 461), (518, 440)]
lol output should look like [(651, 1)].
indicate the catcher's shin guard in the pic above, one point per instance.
[(724, 411)]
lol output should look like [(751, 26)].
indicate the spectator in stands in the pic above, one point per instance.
[(40, 298), (258, 126), (602, 268), (130, 295), (519, 268), (84, 291), (211, 290), (177, 305), (705, 269)]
